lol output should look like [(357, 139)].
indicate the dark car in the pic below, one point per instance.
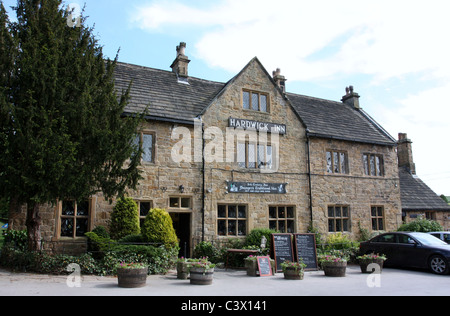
[(415, 250)]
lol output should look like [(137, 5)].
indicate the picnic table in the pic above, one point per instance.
[(239, 251)]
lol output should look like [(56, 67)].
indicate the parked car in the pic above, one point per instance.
[(444, 236), (415, 250)]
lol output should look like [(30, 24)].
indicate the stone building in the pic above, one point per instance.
[(225, 158)]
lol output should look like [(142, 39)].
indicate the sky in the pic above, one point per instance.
[(394, 53)]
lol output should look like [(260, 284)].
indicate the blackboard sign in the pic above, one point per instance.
[(305, 246), (282, 249), (264, 266)]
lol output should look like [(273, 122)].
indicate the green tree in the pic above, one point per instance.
[(65, 134), (421, 225), (124, 219), (158, 228)]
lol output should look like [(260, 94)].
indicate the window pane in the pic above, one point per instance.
[(345, 225), (273, 225), (232, 211), (380, 211), (345, 212), (290, 212), (263, 104), (331, 211), (261, 156), (378, 165), (331, 225), (251, 156), (147, 146), (174, 202), (281, 212), (337, 212), (366, 164), (144, 208), (255, 101), (232, 228), (269, 157), (338, 225), (272, 212), (246, 100), (186, 202), (222, 211), (67, 227), (282, 226), (374, 211), (290, 227), (343, 163), (329, 163), (68, 208), (82, 227), (241, 155), (374, 224), (222, 228), (372, 166), (83, 208), (242, 211), (336, 162), (242, 230), (380, 224)]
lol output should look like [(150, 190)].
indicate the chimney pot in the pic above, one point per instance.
[(351, 98), (279, 79), (404, 152), (181, 62)]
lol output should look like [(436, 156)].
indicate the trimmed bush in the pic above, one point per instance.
[(158, 228), (422, 225), (124, 219)]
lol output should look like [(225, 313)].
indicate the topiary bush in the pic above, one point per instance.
[(124, 219), (158, 228)]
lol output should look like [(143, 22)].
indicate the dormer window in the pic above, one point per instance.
[(255, 101)]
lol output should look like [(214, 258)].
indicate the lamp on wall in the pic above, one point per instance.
[(181, 188)]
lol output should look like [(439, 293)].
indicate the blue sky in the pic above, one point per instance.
[(395, 54)]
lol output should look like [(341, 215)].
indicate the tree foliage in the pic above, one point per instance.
[(158, 228), (64, 134), (422, 225)]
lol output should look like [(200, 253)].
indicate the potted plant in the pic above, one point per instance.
[(251, 264), (334, 266), (201, 272), (132, 275), (293, 270), (368, 259)]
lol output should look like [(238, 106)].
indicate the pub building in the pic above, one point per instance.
[(225, 158)]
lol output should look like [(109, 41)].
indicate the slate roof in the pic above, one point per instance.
[(337, 120), (417, 196), (168, 99)]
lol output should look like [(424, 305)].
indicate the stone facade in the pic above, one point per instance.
[(197, 189)]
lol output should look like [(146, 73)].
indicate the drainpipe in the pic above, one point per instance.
[(204, 182), (308, 150)]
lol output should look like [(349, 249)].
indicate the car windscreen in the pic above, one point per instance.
[(428, 240)]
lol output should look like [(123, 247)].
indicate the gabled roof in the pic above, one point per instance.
[(176, 101), (417, 196), (337, 120), (168, 98)]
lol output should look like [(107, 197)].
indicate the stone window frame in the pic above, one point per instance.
[(251, 106), (342, 165), (277, 219), (337, 222), (377, 220), (236, 220), (377, 164), (153, 149), (257, 162), (180, 205), (60, 217), (141, 215)]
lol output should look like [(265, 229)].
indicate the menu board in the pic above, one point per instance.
[(282, 249), (305, 246), (264, 266)]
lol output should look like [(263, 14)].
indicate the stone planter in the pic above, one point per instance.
[(335, 269), (132, 278), (364, 263), (182, 270), (200, 276), (293, 274)]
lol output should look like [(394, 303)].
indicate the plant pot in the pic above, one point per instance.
[(132, 278), (364, 263), (335, 269), (182, 270), (200, 276), (252, 267), (293, 274)]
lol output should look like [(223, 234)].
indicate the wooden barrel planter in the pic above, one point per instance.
[(335, 269), (293, 274), (182, 270), (132, 278), (200, 276), (364, 264)]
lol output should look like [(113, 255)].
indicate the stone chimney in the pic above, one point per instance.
[(404, 152), (181, 62), (279, 80), (351, 98)]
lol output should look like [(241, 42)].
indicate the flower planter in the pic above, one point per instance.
[(132, 278), (252, 267), (364, 264), (293, 274), (200, 276), (182, 270), (335, 269)]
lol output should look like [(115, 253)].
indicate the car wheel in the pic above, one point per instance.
[(438, 265)]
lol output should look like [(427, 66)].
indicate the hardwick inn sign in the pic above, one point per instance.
[(257, 126)]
